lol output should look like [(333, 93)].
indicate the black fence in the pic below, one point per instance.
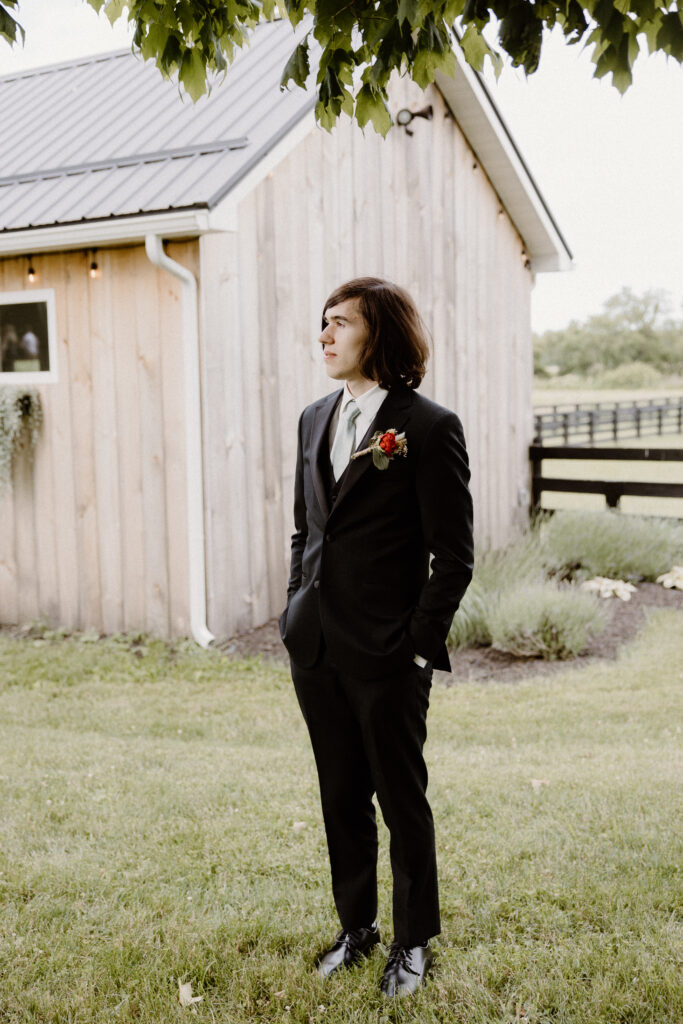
[(583, 423), (613, 490)]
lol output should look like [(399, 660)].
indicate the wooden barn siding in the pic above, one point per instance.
[(94, 534), (419, 210)]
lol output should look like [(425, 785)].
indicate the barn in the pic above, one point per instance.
[(177, 257)]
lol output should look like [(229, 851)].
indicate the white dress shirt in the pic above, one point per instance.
[(369, 404)]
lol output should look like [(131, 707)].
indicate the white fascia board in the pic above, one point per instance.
[(100, 233), (485, 131), (224, 215)]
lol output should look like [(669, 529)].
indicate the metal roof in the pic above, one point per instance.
[(104, 149), (107, 136)]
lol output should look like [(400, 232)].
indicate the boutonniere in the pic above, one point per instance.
[(384, 445)]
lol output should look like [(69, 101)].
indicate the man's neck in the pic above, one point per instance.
[(361, 386)]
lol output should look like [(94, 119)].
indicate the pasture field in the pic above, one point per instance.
[(160, 824), (562, 396)]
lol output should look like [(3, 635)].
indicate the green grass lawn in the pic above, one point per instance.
[(160, 822)]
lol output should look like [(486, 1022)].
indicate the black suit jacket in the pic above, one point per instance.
[(359, 576)]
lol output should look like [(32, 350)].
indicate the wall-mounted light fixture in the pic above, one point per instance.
[(94, 269), (30, 273), (405, 116)]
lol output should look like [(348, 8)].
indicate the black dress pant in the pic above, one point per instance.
[(367, 737)]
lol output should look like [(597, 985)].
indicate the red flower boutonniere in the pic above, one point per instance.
[(383, 447)]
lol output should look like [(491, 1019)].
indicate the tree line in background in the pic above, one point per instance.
[(357, 46), (634, 342)]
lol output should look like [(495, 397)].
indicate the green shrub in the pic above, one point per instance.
[(523, 561), (629, 375), (581, 544), (545, 621), (470, 625), (495, 572)]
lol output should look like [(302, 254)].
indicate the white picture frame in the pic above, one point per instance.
[(28, 337)]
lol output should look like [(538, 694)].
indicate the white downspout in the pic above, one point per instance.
[(193, 438)]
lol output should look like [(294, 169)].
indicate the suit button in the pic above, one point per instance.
[(328, 538), (316, 585)]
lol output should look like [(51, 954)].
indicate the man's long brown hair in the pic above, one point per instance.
[(397, 349)]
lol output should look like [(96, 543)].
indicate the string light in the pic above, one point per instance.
[(94, 269), (31, 271)]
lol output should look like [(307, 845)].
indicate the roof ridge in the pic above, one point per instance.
[(43, 69)]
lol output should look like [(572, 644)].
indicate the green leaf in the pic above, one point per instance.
[(408, 10), (9, 27), (297, 68), (380, 460), (370, 106), (475, 47), (114, 9), (154, 41), (193, 74), (670, 35)]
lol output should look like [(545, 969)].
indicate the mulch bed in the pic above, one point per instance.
[(483, 663)]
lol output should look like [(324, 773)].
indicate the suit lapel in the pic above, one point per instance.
[(320, 449), (394, 412)]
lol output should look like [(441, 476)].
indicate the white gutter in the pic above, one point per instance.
[(112, 231), (193, 438)]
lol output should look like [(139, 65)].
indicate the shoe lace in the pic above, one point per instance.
[(400, 956), (353, 937)]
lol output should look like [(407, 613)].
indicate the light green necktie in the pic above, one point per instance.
[(345, 439)]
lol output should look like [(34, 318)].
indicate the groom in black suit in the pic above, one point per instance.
[(381, 484)]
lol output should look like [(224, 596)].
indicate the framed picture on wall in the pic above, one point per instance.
[(28, 337)]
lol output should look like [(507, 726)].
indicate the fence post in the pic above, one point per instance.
[(615, 423), (535, 486), (612, 495), (566, 427), (538, 439)]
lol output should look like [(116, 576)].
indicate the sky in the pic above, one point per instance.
[(610, 167)]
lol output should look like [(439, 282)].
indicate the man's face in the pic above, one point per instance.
[(343, 341)]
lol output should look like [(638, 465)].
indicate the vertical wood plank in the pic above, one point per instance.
[(9, 589), (82, 424), (250, 267), (133, 539), (64, 488), (152, 447), (103, 304)]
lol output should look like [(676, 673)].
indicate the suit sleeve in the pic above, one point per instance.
[(300, 523), (445, 502)]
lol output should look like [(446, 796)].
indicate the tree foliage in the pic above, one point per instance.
[(631, 329), (361, 42)]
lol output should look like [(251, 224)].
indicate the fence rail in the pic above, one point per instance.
[(590, 423), (613, 490)]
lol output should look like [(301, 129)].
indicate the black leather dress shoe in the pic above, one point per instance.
[(406, 969), (348, 948)]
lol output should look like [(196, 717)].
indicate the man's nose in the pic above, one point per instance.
[(325, 338)]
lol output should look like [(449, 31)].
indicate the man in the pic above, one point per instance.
[(381, 483)]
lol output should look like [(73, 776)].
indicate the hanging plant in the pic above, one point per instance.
[(21, 416)]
